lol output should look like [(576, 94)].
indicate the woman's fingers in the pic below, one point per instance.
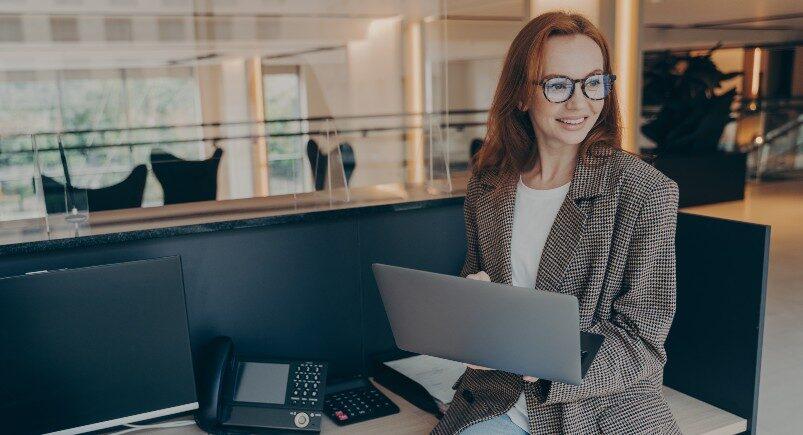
[(479, 276), (530, 378), (472, 366)]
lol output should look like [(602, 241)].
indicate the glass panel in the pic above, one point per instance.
[(336, 182), (65, 204), (22, 212), (263, 82), (285, 176), (437, 132)]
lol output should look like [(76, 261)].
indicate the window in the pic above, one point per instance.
[(282, 90), (92, 100)]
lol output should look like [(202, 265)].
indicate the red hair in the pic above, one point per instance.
[(510, 143)]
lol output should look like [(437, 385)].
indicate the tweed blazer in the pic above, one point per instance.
[(612, 245)]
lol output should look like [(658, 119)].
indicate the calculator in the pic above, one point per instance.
[(356, 400)]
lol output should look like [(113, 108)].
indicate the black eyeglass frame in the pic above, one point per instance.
[(582, 82)]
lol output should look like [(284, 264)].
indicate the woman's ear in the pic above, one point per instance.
[(521, 106)]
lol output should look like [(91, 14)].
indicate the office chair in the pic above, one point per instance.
[(317, 164), (347, 155), (125, 194), (186, 180), (476, 144)]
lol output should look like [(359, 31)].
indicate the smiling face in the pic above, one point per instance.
[(566, 123)]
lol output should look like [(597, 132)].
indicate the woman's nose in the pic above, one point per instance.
[(577, 100)]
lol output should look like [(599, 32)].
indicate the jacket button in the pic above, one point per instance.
[(468, 396)]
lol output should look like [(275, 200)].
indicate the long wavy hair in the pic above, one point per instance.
[(510, 143)]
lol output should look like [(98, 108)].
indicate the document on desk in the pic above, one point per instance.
[(436, 375)]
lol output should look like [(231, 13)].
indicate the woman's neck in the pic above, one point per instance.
[(554, 167)]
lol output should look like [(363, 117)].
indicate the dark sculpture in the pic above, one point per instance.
[(692, 117)]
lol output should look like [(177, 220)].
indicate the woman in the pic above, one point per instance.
[(555, 204)]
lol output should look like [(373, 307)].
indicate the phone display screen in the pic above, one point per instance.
[(261, 382)]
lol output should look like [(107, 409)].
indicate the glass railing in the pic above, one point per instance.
[(51, 186), (777, 153)]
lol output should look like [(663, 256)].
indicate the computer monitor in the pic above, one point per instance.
[(96, 347)]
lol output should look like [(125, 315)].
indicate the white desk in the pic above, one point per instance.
[(693, 416)]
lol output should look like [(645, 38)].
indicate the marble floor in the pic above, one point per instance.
[(779, 204)]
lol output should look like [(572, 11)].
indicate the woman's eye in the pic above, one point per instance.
[(594, 82), (557, 86)]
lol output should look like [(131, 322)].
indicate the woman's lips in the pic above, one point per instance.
[(572, 123)]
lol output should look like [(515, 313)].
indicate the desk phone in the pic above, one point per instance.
[(243, 393)]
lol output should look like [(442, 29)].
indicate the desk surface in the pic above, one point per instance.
[(694, 417)]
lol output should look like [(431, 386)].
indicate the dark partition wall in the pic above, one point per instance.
[(305, 289), (284, 290), (714, 345), (299, 290)]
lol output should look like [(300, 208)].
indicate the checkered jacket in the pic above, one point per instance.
[(613, 246)]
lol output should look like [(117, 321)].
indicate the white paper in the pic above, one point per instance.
[(436, 375)]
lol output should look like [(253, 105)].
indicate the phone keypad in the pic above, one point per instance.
[(306, 384)]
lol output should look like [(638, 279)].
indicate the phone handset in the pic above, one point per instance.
[(217, 361)]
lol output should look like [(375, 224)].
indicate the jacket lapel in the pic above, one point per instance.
[(506, 203), (588, 182), (560, 246), (564, 236)]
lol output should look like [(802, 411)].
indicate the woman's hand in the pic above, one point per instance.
[(479, 276), (472, 366), (529, 378)]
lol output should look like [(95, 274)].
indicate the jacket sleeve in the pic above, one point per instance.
[(472, 263), (641, 314)]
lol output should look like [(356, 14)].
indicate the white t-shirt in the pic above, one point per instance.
[(534, 214)]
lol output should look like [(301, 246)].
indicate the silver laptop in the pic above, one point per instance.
[(515, 329)]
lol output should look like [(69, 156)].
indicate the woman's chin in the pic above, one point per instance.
[(571, 138)]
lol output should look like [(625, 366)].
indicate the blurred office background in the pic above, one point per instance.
[(110, 105), (395, 91)]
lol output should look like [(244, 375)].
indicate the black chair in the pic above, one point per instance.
[(125, 194), (347, 155), (186, 180), (319, 163), (476, 144)]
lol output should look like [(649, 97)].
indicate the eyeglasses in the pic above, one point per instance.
[(560, 88)]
